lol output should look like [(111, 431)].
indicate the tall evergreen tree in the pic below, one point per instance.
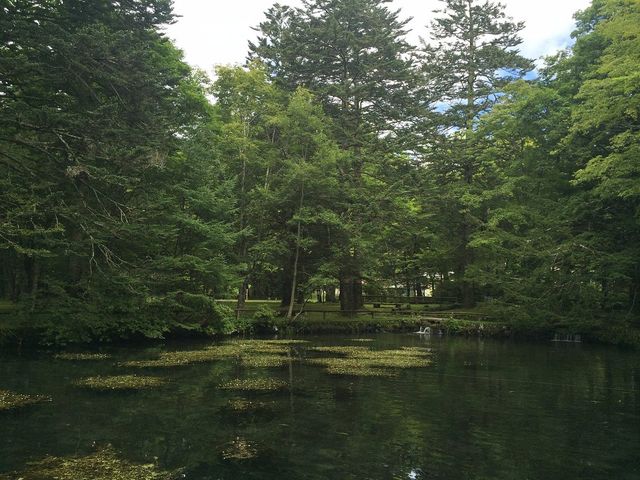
[(472, 57), (352, 55), (96, 107)]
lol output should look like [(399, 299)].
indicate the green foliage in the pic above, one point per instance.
[(111, 201), (470, 61), (339, 155), (359, 66), (264, 320)]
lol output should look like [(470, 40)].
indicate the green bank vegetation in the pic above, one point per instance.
[(339, 158)]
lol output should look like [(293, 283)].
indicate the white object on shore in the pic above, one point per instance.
[(424, 331)]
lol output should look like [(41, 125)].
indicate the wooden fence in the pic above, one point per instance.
[(376, 313)]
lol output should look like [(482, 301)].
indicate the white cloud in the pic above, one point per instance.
[(214, 32)]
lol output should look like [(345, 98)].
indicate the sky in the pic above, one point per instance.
[(214, 32)]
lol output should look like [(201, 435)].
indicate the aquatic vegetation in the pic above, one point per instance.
[(351, 367), (342, 350), (82, 356), (241, 346), (156, 363), (241, 405), (366, 362), (361, 339), (174, 359), (240, 349), (283, 341), (396, 361), (121, 382), (12, 400), (418, 350), (255, 384), (239, 449), (105, 464), (265, 361), (359, 371)]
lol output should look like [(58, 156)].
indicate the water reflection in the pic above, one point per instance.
[(482, 409)]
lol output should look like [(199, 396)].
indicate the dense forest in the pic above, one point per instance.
[(338, 162)]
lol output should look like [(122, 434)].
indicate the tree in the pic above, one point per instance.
[(248, 104), (352, 55), (472, 57), (307, 182), (96, 109), (604, 139)]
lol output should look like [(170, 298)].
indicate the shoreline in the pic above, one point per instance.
[(31, 338)]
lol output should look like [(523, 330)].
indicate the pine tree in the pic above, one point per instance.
[(96, 108), (352, 55), (472, 57)]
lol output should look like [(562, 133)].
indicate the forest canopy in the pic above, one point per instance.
[(339, 163)]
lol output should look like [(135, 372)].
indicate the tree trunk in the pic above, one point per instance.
[(351, 294), (9, 275), (294, 281), (468, 300), (331, 294), (242, 293), (634, 294), (34, 282)]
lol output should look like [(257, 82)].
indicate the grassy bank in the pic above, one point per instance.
[(266, 317)]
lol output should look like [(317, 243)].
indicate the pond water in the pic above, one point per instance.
[(483, 409)]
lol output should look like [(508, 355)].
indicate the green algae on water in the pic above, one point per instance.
[(343, 350), (283, 341), (237, 349), (82, 356), (362, 361), (351, 367), (174, 359), (121, 382), (12, 400), (239, 449), (242, 405), (105, 464), (264, 361), (255, 384)]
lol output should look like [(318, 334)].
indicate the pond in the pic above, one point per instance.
[(418, 408)]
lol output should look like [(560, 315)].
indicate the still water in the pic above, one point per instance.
[(484, 409)]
